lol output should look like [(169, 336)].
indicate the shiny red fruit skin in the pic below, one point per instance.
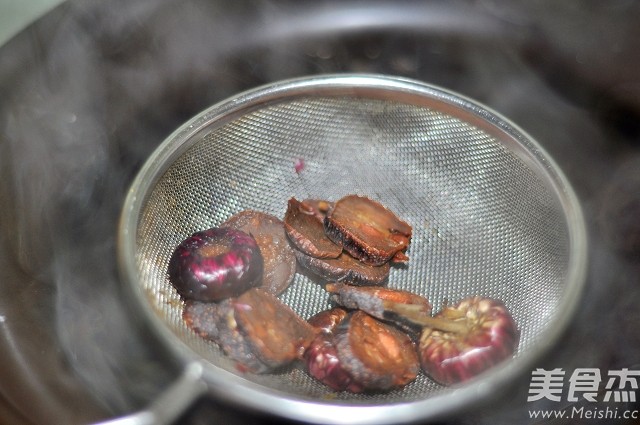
[(450, 358), (322, 363), (196, 275)]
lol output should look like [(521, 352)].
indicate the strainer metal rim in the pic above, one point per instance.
[(233, 388)]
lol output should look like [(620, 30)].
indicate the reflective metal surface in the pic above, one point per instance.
[(15, 15), (492, 216), (94, 87)]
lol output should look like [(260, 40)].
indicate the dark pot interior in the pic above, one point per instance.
[(92, 88)]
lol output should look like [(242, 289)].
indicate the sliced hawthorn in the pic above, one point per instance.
[(466, 339), (277, 334), (383, 303), (204, 317), (322, 362), (378, 356), (306, 231), (345, 268), (327, 320), (321, 357), (279, 261), (215, 322), (368, 230), (256, 329)]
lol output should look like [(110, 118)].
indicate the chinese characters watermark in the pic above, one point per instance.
[(584, 383), (588, 385)]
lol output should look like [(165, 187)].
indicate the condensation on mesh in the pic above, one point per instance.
[(485, 222)]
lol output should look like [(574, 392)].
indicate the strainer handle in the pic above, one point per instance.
[(173, 401)]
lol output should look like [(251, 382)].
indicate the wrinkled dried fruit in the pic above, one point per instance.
[(383, 303), (204, 317), (216, 322), (368, 230), (215, 264), (345, 268), (321, 358), (366, 343), (256, 329), (326, 321), (378, 356), (355, 352), (278, 258), (306, 231), (323, 364), (272, 327), (486, 335)]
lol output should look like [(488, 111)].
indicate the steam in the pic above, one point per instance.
[(66, 187), (111, 81)]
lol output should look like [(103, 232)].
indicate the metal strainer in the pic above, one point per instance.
[(492, 215)]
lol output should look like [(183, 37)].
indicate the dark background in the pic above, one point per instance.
[(89, 90)]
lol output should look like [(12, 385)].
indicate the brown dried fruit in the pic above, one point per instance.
[(321, 358), (279, 261), (323, 364), (256, 329), (383, 303), (216, 322), (306, 231), (278, 334), (326, 321), (345, 268), (378, 356), (368, 230), (203, 317)]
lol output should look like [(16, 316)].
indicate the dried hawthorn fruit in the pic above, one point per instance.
[(216, 322), (464, 340), (257, 330), (204, 317), (322, 362), (214, 264), (383, 303), (368, 230), (378, 356), (345, 268), (327, 320), (278, 258), (319, 207), (277, 333), (321, 357), (306, 231)]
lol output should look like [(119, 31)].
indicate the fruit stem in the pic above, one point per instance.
[(416, 314)]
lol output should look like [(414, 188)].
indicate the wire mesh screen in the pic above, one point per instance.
[(485, 221)]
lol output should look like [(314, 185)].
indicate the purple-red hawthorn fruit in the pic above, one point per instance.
[(215, 264), (480, 334)]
